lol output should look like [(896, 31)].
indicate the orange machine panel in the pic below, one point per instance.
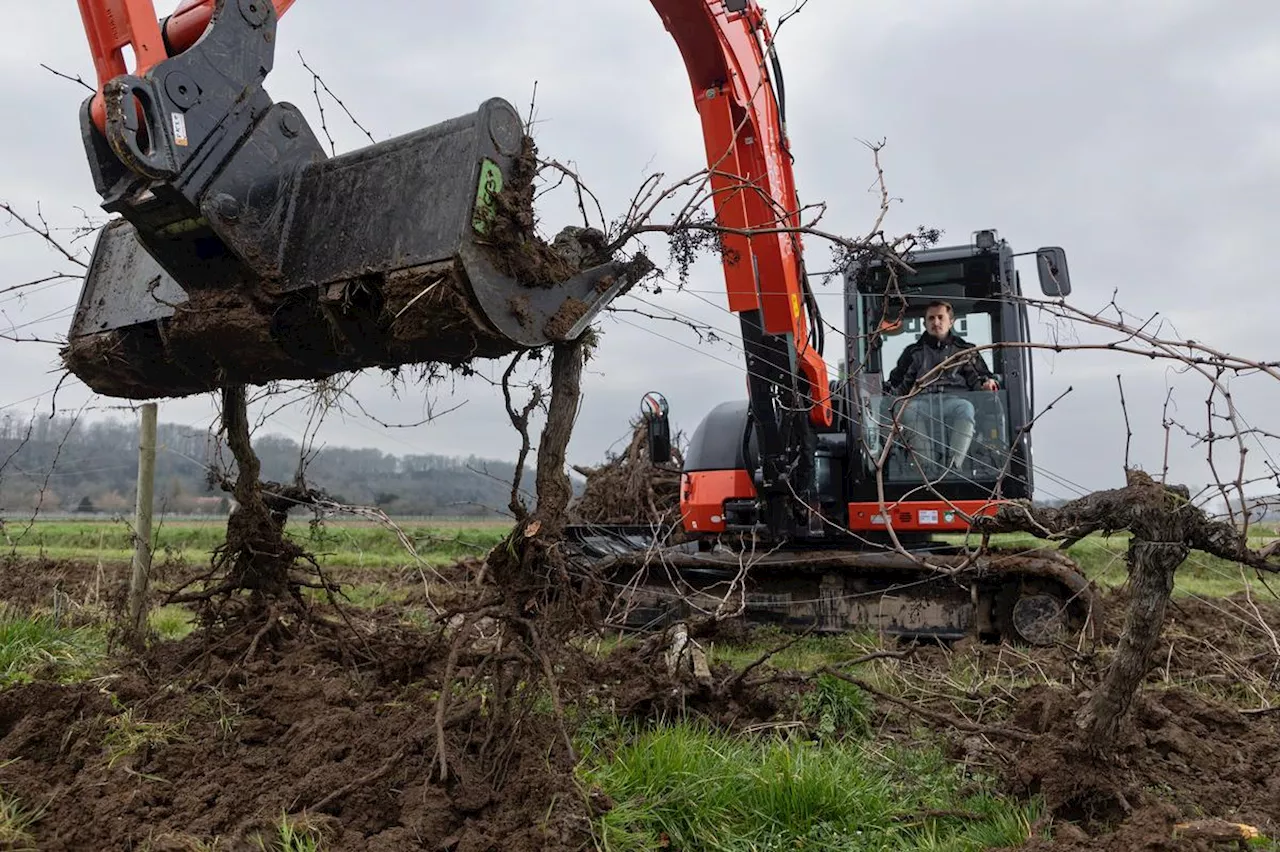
[(703, 494), (919, 515)]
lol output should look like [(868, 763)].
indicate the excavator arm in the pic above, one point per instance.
[(112, 25), (723, 44), (220, 187), (727, 49)]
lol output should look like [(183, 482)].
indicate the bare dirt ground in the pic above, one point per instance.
[(217, 735), (31, 583), (215, 748), (1193, 749)]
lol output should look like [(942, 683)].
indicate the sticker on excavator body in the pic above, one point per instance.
[(179, 129), (490, 186)]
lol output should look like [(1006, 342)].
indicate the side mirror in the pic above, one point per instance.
[(653, 408), (1055, 281)]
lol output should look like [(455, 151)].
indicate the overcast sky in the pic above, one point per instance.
[(1141, 135)]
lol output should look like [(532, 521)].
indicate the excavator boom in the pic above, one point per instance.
[(727, 48), (725, 45)]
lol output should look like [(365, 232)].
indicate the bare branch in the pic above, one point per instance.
[(43, 230), (1128, 431), (75, 79), (318, 83)]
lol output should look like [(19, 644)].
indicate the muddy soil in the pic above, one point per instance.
[(186, 741), (182, 745), (1180, 758), (1191, 750), (41, 584)]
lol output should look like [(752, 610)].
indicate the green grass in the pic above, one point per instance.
[(15, 824), (805, 654), (31, 644), (348, 544), (292, 835), (171, 622), (1200, 576), (1102, 560), (687, 787)]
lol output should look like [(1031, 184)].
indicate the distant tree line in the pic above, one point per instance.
[(61, 464)]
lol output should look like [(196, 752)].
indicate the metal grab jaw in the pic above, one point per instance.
[(384, 256)]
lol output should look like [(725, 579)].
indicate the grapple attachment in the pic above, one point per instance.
[(245, 254)]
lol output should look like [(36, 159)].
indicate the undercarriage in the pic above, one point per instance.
[(923, 591)]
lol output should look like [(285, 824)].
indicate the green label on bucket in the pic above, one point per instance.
[(490, 186)]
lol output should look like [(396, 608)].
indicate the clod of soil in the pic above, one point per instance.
[(561, 323)]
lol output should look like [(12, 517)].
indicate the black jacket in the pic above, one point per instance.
[(921, 357)]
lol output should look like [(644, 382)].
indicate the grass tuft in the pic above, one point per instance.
[(128, 735), (685, 786), (37, 644), (15, 824), (293, 835), (837, 708), (172, 621)]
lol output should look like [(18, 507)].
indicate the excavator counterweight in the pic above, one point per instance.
[(243, 253)]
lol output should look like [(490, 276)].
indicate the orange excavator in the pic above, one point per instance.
[(802, 505)]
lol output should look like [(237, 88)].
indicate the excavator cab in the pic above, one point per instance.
[(917, 452), (243, 252), (934, 466)]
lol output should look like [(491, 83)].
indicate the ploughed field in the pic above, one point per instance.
[(210, 739)]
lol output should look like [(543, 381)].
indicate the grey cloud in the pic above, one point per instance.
[(1139, 135)]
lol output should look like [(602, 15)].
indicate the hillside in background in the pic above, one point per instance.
[(60, 464)]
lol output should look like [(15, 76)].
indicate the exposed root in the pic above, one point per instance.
[(630, 488), (257, 575)]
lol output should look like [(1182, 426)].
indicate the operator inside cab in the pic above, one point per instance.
[(937, 366)]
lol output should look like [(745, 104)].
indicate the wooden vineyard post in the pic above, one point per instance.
[(142, 522)]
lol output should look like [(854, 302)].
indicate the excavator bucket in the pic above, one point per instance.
[(244, 254)]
